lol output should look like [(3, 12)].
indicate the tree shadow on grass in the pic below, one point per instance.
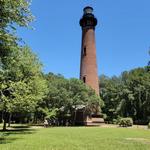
[(7, 136), (6, 140)]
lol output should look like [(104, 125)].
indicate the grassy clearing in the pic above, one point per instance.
[(75, 138)]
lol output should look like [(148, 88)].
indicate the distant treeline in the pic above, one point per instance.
[(127, 95)]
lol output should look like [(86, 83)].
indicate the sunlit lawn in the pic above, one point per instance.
[(75, 138)]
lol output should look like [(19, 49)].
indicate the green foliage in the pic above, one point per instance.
[(109, 93), (127, 95), (125, 122), (64, 96), (12, 13), (15, 12), (52, 114), (21, 82)]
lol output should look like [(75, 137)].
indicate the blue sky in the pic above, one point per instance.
[(122, 34)]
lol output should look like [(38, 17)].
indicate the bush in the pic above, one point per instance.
[(114, 121), (126, 122), (149, 125)]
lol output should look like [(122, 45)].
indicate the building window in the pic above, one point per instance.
[(84, 79), (84, 51)]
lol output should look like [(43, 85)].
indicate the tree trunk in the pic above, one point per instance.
[(4, 124), (74, 119), (35, 118), (2, 116), (5, 119), (9, 121)]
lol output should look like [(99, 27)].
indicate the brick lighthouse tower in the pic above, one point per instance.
[(88, 66)]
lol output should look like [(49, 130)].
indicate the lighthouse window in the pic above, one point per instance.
[(84, 51), (84, 79)]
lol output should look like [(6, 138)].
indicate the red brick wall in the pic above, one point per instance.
[(88, 66)]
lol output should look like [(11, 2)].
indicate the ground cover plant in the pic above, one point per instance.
[(126, 122), (75, 138)]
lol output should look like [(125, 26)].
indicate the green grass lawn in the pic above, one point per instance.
[(75, 138)]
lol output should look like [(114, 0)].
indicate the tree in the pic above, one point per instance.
[(109, 90), (12, 13), (148, 66), (22, 84), (21, 81), (64, 95), (127, 95)]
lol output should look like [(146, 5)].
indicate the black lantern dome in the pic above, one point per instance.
[(88, 19)]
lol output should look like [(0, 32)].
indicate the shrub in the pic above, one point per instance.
[(114, 121), (126, 122), (149, 125)]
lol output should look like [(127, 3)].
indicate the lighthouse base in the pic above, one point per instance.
[(94, 120), (83, 119)]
